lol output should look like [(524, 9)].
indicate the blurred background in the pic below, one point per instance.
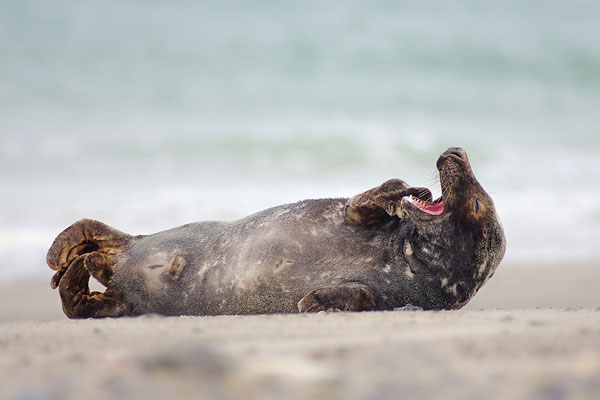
[(147, 114)]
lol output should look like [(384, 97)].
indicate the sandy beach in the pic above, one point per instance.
[(530, 333)]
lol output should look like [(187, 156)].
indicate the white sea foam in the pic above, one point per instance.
[(147, 118)]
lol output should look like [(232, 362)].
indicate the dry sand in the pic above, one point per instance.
[(544, 343)]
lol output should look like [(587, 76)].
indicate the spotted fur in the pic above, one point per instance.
[(374, 251)]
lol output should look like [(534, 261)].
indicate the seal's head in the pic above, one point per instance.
[(463, 221)]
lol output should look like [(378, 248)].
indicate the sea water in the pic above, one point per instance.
[(148, 114)]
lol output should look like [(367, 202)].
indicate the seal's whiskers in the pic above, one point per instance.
[(434, 183)]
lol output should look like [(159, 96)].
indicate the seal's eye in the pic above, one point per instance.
[(476, 206)]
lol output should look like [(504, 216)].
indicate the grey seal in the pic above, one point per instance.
[(386, 248)]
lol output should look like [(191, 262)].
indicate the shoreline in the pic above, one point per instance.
[(513, 286)]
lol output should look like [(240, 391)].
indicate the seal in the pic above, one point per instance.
[(388, 247)]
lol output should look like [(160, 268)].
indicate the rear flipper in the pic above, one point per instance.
[(345, 297), (87, 248)]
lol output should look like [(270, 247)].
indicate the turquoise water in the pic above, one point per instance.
[(148, 114)]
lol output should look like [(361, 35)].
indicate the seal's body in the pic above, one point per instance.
[(385, 248)]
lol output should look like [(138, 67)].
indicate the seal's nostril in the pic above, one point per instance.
[(457, 151), (452, 152)]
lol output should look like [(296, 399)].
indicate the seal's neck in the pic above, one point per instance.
[(441, 253), (433, 244)]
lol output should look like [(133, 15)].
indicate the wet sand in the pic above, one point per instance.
[(532, 332)]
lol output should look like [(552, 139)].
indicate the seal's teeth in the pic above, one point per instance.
[(425, 206)]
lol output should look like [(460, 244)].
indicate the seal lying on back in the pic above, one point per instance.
[(385, 248)]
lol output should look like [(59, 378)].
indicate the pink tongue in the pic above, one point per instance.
[(436, 209), (427, 207)]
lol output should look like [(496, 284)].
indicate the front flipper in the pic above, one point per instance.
[(381, 202), (345, 297)]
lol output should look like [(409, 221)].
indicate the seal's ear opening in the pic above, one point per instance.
[(86, 249)]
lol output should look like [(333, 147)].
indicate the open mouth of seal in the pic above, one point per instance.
[(432, 208), (452, 163)]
